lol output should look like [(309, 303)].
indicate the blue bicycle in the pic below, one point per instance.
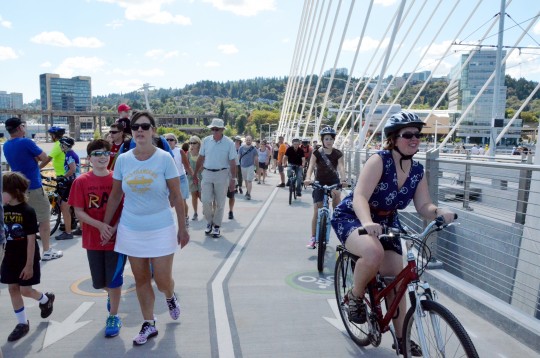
[(322, 233)]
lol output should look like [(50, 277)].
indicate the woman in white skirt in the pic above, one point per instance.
[(149, 181)]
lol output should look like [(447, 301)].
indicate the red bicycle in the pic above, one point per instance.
[(436, 330)]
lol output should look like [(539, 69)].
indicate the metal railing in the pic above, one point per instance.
[(496, 245)]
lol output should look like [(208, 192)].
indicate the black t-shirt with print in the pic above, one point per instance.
[(19, 222)]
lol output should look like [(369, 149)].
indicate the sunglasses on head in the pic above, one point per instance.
[(144, 126), (171, 140), (114, 132), (410, 135), (100, 153)]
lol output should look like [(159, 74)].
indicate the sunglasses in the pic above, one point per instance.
[(100, 153), (410, 135), (171, 140), (215, 129), (144, 126), (193, 143), (114, 132)]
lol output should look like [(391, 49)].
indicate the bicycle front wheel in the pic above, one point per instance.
[(321, 242), (291, 192), (56, 216), (444, 335), (343, 282)]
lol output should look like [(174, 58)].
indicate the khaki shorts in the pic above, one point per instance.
[(248, 173), (39, 201)]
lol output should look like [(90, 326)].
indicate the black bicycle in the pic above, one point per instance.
[(53, 193), (322, 233), (292, 183)]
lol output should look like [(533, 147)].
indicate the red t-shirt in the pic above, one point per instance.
[(114, 149), (91, 193)]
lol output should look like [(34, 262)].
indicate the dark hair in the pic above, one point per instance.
[(97, 144), (138, 114), (16, 185), (118, 126), (390, 142), (185, 146)]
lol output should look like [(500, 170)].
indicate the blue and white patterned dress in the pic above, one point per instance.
[(384, 202)]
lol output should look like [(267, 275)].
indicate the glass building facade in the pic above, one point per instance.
[(10, 101), (65, 94)]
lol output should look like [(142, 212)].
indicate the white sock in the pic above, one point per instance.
[(21, 315), (43, 299)]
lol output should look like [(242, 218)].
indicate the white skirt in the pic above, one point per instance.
[(152, 243)]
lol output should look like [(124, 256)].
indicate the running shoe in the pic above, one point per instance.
[(231, 215), (112, 326), (416, 351), (312, 244), (147, 331), (47, 308), (216, 232), (51, 254), (195, 217), (208, 229), (64, 236), (20, 331), (357, 308), (174, 307)]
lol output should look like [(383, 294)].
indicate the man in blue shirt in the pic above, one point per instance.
[(23, 155)]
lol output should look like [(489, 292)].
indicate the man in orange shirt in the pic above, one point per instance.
[(281, 152)]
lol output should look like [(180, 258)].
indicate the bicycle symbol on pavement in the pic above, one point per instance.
[(312, 281)]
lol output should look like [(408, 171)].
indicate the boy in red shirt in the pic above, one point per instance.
[(88, 196)]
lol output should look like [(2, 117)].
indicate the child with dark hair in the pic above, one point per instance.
[(88, 196), (20, 268)]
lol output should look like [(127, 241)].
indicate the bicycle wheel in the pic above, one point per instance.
[(321, 242), (343, 282), (56, 215), (291, 192), (444, 335)]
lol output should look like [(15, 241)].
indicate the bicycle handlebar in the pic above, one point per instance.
[(391, 231), (316, 185)]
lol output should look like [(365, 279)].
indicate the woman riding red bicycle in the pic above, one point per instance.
[(387, 182)]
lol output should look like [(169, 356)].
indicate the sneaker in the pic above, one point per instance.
[(312, 244), (47, 308), (20, 331), (77, 232), (112, 326), (147, 331), (240, 190), (298, 195), (64, 236), (231, 215), (416, 351), (174, 307), (195, 217), (282, 185), (51, 254), (208, 229), (216, 232), (357, 309), (248, 196)]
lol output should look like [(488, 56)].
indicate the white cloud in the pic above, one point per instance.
[(536, 28), (212, 64), (154, 72), (57, 38), (79, 66), (7, 53), (115, 24), (126, 85), (523, 64), (244, 7), (121, 71), (149, 11), (368, 44), (5, 23), (228, 49), (161, 54), (46, 64)]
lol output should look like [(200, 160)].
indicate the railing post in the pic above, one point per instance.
[(467, 183), (525, 176), (432, 177)]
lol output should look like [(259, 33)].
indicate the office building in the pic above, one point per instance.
[(10, 101), (476, 125), (65, 94)]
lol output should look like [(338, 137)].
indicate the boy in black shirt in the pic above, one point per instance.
[(20, 267)]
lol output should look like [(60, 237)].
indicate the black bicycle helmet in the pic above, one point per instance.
[(327, 130), (67, 141), (401, 120), (57, 131)]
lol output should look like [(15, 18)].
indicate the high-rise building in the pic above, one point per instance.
[(10, 101), (476, 125), (65, 94)]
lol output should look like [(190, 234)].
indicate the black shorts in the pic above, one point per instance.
[(263, 166), (64, 188), (318, 194), (14, 263), (106, 268), (230, 194)]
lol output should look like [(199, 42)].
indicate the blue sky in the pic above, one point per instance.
[(122, 44)]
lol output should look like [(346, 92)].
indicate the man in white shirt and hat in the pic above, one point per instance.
[(217, 161)]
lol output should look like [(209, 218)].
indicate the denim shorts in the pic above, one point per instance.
[(184, 186)]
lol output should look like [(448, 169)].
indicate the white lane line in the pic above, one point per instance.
[(223, 329)]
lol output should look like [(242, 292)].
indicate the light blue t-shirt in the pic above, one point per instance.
[(146, 200), (217, 155)]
